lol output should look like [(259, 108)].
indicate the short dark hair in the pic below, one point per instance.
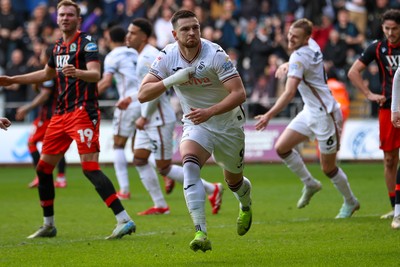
[(181, 14), (144, 25), (304, 24), (117, 34), (391, 14)]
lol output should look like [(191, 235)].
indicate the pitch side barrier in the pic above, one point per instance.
[(360, 141)]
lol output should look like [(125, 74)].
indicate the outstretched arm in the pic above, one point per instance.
[(34, 77), (285, 98)]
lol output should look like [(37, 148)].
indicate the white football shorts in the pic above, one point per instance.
[(157, 139), (227, 148), (124, 121), (325, 128)]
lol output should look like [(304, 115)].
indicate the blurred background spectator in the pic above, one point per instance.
[(253, 32)]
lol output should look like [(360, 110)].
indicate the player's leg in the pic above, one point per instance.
[(340, 181), (284, 146), (390, 162), (162, 140), (327, 131), (149, 179), (123, 128), (61, 180), (80, 127), (37, 134), (55, 143), (121, 166), (46, 190), (396, 212), (229, 153), (389, 138), (194, 155), (214, 191)]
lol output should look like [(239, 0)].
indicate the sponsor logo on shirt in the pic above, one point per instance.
[(61, 61), (205, 81), (91, 47)]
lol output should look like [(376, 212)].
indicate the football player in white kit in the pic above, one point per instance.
[(120, 64), (155, 128), (210, 91), (320, 118)]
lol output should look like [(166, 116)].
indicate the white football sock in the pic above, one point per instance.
[(122, 217), (48, 220), (149, 178), (296, 164), (342, 185), (195, 194), (243, 194), (121, 169)]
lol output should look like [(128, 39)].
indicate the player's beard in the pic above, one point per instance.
[(194, 42)]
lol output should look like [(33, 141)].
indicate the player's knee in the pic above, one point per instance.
[(189, 158), (118, 146), (390, 162), (44, 167), (329, 172), (282, 154), (89, 167), (140, 161)]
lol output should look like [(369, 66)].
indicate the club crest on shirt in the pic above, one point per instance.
[(296, 65), (91, 47), (72, 47)]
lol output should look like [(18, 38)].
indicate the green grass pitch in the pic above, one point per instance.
[(281, 234)]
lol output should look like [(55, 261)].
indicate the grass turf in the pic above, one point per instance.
[(281, 235)]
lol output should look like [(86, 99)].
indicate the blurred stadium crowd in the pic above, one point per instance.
[(253, 32)]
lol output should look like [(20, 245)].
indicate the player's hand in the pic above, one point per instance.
[(4, 123), (181, 76), (263, 121), (124, 103), (140, 123), (5, 81), (198, 115), (21, 112), (396, 119), (380, 99), (282, 71), (69, 70)]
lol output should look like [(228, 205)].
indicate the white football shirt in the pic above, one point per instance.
[(205, 89), (121, 62), (306, 63), (158, 111)]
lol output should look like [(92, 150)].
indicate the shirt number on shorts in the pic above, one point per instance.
[(330, 141), (85, 135)]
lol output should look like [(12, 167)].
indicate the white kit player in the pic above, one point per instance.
[(120, 64), (155, 129), (320, 118), (210, 91)]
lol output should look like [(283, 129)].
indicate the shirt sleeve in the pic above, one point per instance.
[(223, 66), (159, 66), (296, 66), (395, 92)]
